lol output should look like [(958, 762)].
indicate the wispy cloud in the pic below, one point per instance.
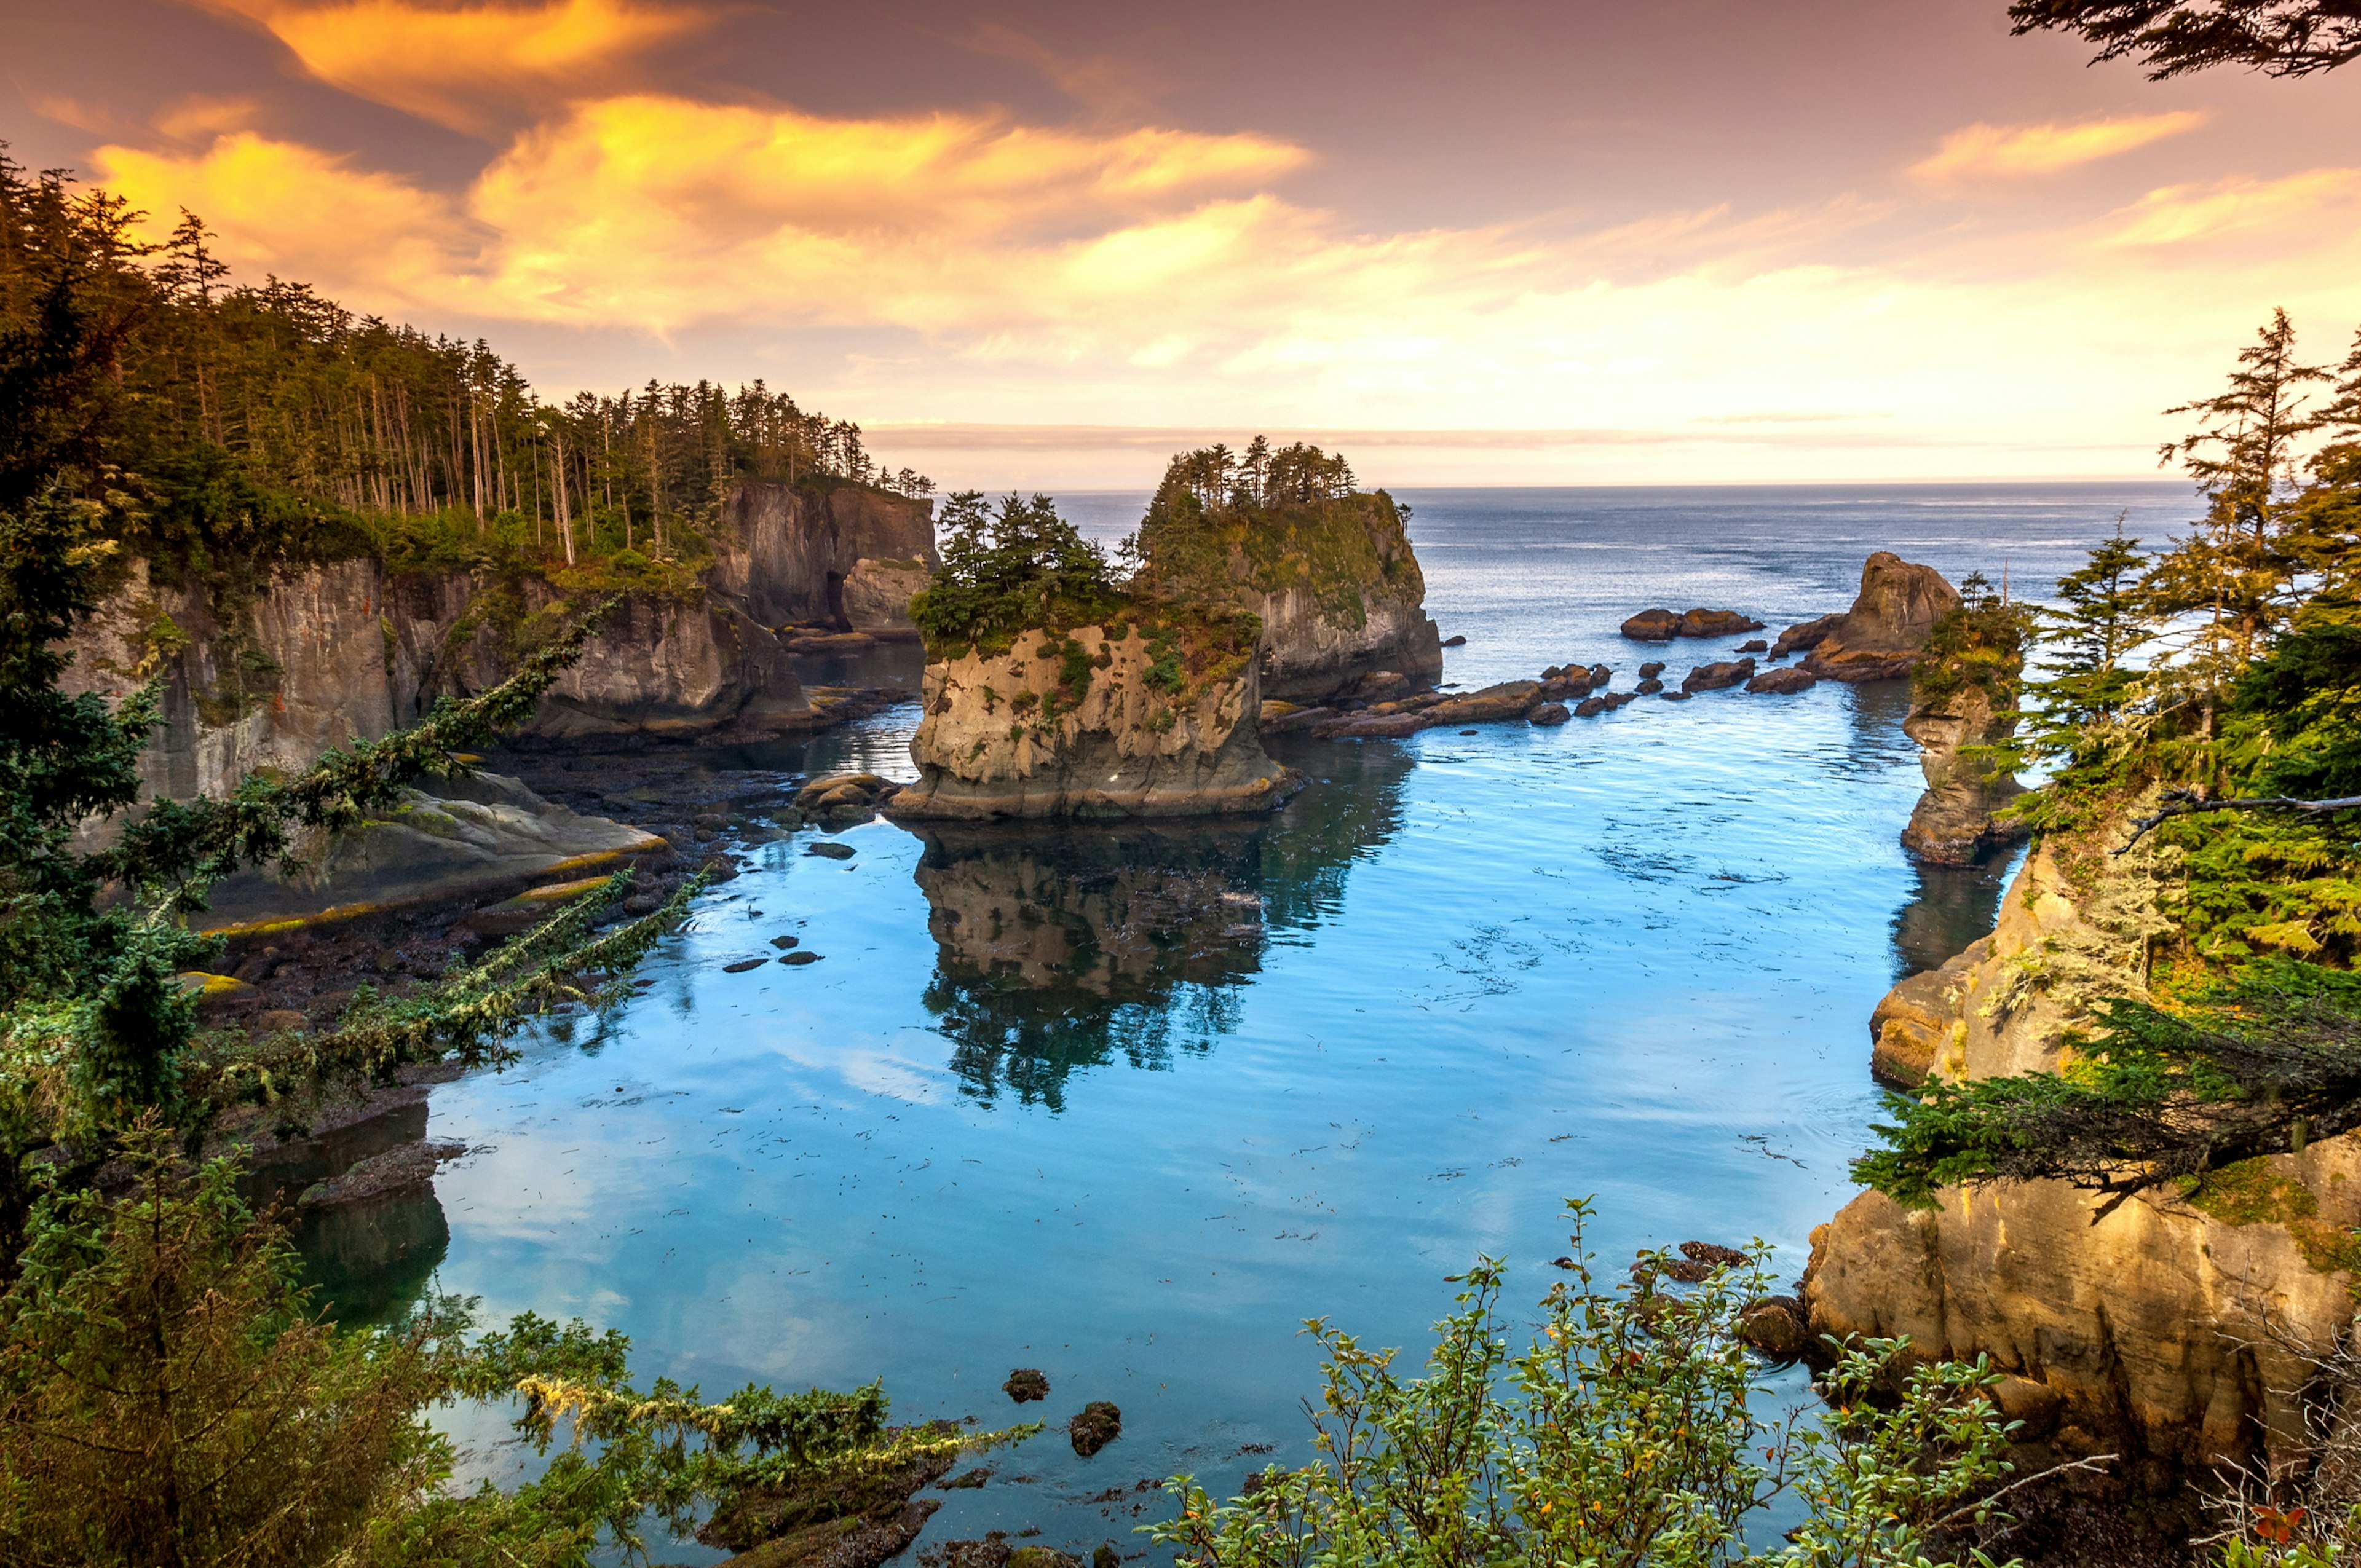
[(470, 67), (2291, 209), (1998, 152)]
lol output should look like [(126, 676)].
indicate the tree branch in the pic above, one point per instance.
[(2185, 803)]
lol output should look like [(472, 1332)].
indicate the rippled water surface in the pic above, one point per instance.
[(1126, 1104)]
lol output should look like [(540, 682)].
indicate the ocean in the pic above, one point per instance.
[(1127, 1105)]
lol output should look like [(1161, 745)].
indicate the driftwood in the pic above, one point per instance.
[(2185, 803)]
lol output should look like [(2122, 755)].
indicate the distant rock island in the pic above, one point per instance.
[(1054, 689)]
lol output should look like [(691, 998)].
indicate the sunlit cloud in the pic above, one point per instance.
[(2290, 209), (466, 66), (1984, 151), (1152, 278)]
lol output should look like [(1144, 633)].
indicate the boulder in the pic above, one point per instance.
[(1650, 686), (1099, 1423), (1885, 631), (1549, 713), (1026, 1384), (828, 850), (1775, 1325), (1591, 707), (1652, 626), (1715, 676), (1456, 641), (1662, 625), (1753, 645), (1783, 682), (1599, 675), (1652, 669)]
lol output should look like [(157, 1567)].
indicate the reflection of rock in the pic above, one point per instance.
[(1883, 633), (2159, 1329), (473, 835), (1055, 952), (1085, 724), (1953, 822)]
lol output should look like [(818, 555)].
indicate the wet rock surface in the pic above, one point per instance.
[(1098, 1424)]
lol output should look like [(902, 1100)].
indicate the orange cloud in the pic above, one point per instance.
[(1154, 276), (459, 65), (1983, 152), (2291, 209)]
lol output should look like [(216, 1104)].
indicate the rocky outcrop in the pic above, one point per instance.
[(2171, 1328), (271, 670), (788, 555), (1953, 822), (470, 836), (877, 596), (1883, 633), (1662, 625), (1086, 723), (1782, 683)]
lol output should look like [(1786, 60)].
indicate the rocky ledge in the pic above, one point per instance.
[(1954, 821), (1093, 723)]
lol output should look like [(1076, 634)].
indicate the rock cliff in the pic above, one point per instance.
[(1090, 723), (2171, 1329), (1952, 823), (1883, 633), (803, 556), (296, 658)]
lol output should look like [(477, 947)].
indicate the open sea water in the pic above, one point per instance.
[(1128, 1104)]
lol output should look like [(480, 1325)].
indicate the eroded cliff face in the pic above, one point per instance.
[(2166, 1330), (791, 556), (1087, 724), (1952, 823), (1309, 653)]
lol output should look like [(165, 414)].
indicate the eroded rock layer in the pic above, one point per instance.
[(1088, 723)]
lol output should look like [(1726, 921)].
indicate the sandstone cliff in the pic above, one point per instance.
[(2162, 1331), (1883, 633), (1090, 723), (1952, 823)]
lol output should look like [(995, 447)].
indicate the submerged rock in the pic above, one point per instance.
[(798, 959), (1776, 1325), (829, 850), (1026, 1382), (742, 965), (1099, 1423), (1457, 641), (1650, 686)]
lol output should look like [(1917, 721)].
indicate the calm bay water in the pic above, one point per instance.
[(1128, 1104)]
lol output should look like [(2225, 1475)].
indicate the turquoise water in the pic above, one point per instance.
[(1128, 1104)]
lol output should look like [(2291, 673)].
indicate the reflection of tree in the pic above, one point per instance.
[(1061, 950), (370, 1260), (1065, 948), (1352, 809)]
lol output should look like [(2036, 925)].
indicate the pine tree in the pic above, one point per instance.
[(2078, 707)]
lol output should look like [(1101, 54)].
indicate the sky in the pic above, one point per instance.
[(1048, 243)]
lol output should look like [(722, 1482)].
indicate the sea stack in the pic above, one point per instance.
[(1953, 822), (1882, 636), (1098, 721), (1327, 569)]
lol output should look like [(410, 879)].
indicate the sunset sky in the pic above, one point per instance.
[(1047, 243)]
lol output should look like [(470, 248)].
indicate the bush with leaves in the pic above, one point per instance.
[(1019, 568), (1625, 1434)]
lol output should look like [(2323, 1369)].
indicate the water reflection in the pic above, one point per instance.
[(1062, 950), (368, 1261), (1953, 907), (1352, 807)]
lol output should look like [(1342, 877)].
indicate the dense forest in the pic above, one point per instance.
[(266, 419)]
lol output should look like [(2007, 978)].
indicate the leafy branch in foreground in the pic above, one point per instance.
[(1624, 1435), (2262, 1066), (169, 1395)]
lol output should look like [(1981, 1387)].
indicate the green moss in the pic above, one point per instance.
[(1337, 552), (2258, 1192)]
